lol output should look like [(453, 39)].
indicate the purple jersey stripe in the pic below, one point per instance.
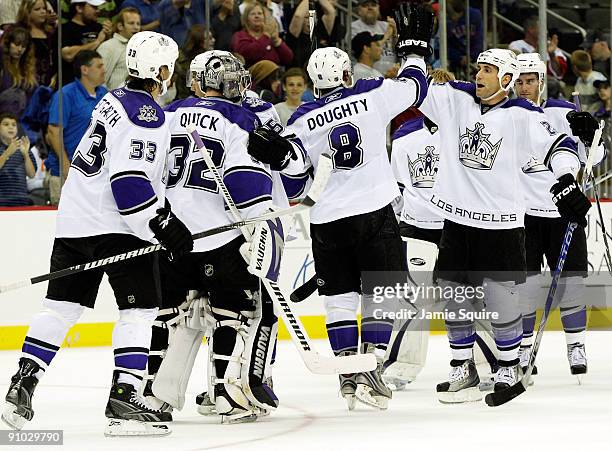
[(131, 191)]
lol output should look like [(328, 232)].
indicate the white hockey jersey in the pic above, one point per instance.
[(117, 176), (415, 159), (349, 124), (480, 180), (538, 179), (268, 116), (195, 198)]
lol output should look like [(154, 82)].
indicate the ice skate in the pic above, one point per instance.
[(348, 386), (577, 360), (154, 401), (524, 354), (371, 389), (205, 405), (232, 412), (18, 408), (462, 385), (507, 376), (130, 414)]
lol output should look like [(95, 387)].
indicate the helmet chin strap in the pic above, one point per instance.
[(501, 89)]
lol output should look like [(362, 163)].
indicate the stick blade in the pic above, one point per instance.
[(320, 364), (302, 292), (499, 398)]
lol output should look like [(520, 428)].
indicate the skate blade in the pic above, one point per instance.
[(130, 428), (247, 416), (207, 410), (471, 394), (11, 419), (351, 401), (365, 395), (580, 378)]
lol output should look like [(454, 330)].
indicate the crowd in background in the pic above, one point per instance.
[(272, 37)]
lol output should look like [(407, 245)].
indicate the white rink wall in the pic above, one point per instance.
[(26, 239)]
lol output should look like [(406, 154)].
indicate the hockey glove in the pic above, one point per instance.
[(414, 28), (572, 204), (269, 147), (583, 125), (263, 253), (171, 232)]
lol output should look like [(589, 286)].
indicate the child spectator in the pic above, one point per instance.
[(583, 68), (294, 85), (16, 162)]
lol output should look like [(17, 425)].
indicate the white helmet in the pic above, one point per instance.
[(530, 63), (147, 52), (326, 68), (219, 70), (506, 63)]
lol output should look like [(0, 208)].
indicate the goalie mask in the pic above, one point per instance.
[(221, 71)]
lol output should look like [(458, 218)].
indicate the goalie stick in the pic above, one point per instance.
[(315, 362), (314, 193), (502, 397)]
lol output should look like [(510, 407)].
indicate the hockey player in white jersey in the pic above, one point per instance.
[(487, 138), (113, 202), (245, 331), (545, 228), (353, 227)]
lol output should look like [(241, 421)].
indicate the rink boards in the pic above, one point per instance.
[(26, 239)]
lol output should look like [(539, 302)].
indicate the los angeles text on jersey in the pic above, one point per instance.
[(337, 113), (470, 214)]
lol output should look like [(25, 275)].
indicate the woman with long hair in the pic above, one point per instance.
[(197, 42), (17, 70), (259, 39), (34, 16)]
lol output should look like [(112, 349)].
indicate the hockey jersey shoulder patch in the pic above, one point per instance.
[(559, 103), (256, 105), (522, 103), (140, 108)]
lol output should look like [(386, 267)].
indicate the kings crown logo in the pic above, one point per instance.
[(476, 151), (423, 170), (147, 114)]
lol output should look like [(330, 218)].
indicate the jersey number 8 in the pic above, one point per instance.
[(345, 142)]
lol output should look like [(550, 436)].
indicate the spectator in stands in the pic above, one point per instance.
[(556, 61), (224, 22), (367, 50), (127, 23), (265, 81), (17, 70), (273, 9), (149, 13), (457, 37), (583, 68), (259, 40), (329, 31), (604, 112), (294, 85), (8, 11), (369, 12), (197, 42), (34, 16), (298, 37), (596, 43), (178, 16), (79, 99), (16, 162), (83, 32)]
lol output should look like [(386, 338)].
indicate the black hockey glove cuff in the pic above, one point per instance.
[(572, 204), (269, 147), (171, 232), (414, 28), (583, 125)]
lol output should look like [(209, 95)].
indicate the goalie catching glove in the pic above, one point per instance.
[(572, 204), (263, 253), (414, 29), (271, 148), (171, 232)]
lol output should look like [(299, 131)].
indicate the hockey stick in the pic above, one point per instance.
[(316, 188), (596, 190), (302, 292), (502, 397), (314, 361)]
